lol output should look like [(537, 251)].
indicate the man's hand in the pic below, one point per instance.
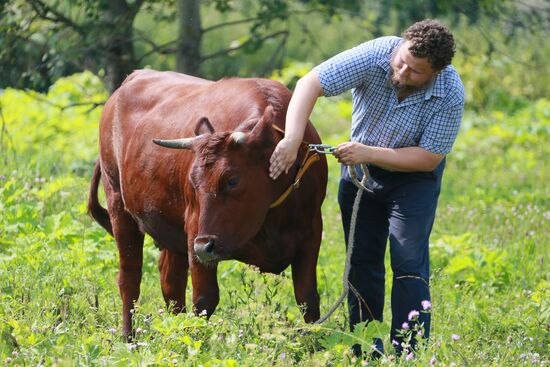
[(283, 157), (351, 152)]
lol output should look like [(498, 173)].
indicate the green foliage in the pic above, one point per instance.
[(47, 39), (59, 301), (50, 132)]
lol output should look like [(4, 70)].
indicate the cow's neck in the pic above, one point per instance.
[(264, 250)]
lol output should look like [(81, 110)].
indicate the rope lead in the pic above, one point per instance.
[(351, 239)]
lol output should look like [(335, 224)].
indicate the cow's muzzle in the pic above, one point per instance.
[(205, 249)]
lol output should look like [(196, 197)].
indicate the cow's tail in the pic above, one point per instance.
[(99, 213)]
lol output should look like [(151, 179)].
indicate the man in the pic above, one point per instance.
[(407, 108)]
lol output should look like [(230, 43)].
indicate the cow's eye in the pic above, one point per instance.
[(232, 182)]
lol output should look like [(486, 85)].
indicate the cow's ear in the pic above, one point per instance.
[(268, 115), (263, 127), (204, 126)]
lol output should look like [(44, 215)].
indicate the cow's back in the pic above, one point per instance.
[(166, 105)]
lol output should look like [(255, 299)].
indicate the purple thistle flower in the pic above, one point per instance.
[(455, 337), (405, 326), (395, 342), (426, 305), (413, 315), (432, 361), (410, 356)]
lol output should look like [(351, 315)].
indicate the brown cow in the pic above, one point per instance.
[(210, 200)]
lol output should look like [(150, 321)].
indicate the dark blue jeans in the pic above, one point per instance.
[(402, 208)]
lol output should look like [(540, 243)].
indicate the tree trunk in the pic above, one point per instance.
[(117, 43), (188, 54)]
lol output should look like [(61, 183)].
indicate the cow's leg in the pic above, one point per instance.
[(304, 277), (304, 273), (129, 240), (173, 268), (206, 294)]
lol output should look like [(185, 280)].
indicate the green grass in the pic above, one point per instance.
[(59, 303)]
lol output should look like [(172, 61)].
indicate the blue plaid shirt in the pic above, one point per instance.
[(429, 118)]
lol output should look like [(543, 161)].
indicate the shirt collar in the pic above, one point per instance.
[(436, 88), (384, 62)]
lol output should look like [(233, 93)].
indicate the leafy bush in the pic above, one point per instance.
[(53, 132), (59, 302)]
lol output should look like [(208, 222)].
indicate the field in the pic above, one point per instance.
[(59, 303)]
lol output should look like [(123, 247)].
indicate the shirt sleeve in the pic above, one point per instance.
[(348, 69), (440, 134)]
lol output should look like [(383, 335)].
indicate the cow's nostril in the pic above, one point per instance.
[(206, 248), (209, 247)]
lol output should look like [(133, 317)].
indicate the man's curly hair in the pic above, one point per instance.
[(431, 39)]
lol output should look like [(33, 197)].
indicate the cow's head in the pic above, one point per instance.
[(231, 185)]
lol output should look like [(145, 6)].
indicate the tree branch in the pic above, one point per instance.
[(271, 64), (43, 9), (535, 7), (134, 9), (248, 20), (226, 24), (38, 97), (163, 49), (492, 48), (312, 39), (231, 49)]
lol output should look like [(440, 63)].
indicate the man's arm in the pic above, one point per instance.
[(409, 159), (308, 89), (439, 137)]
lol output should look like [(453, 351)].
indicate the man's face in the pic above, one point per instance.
[(410, 71)]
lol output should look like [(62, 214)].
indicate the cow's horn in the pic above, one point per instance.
[(239, 137), (184, 143)]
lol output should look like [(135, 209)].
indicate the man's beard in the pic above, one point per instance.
[(404, 86), (394, 82)]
